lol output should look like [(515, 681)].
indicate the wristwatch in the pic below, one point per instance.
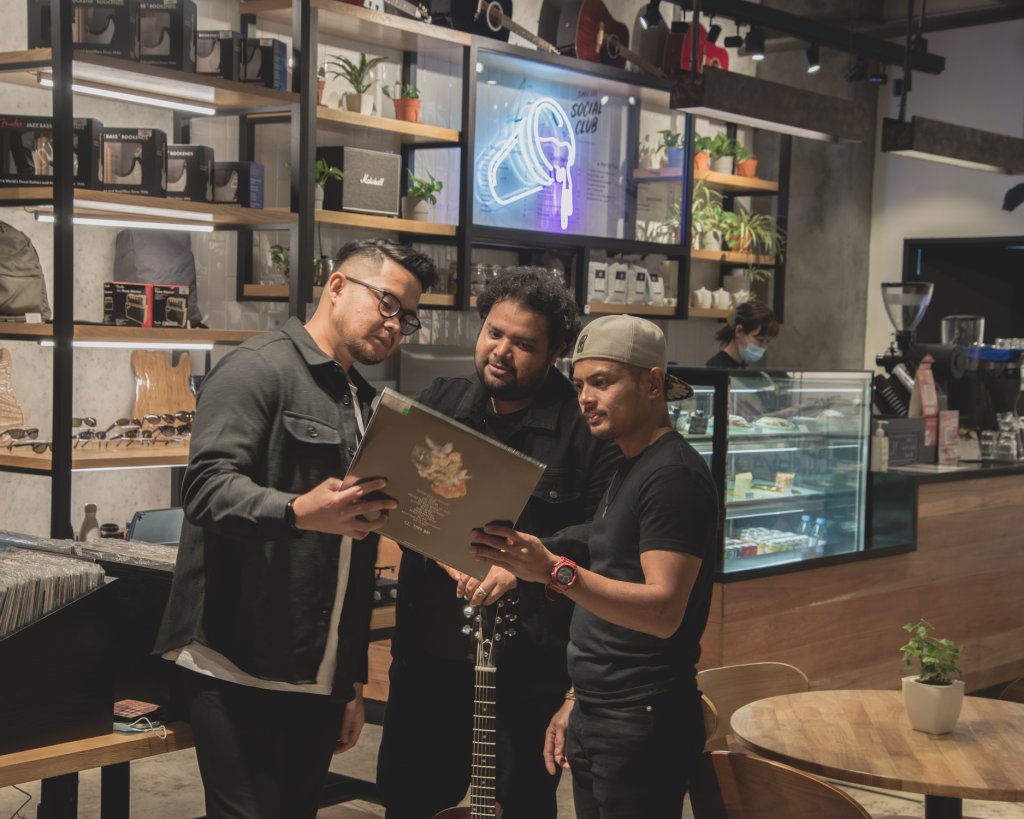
[(289, 516), (563, 575)]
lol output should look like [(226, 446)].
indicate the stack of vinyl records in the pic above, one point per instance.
[(32, 584)]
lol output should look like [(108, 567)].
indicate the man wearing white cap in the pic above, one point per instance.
[(635, 728)]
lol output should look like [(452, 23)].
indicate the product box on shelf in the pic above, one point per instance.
[(655, 289), (219, 53), (27, 151), (265, 62), (597, 286), (134, 304), (372, 180), (906, 441), (238, 183), (135, 161), (190, 173), (637, 289), (109, 27), (168, 33), (618, 282)]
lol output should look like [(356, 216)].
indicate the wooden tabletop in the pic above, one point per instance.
[(93, 752), (864, 737)]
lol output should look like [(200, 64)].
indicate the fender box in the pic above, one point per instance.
[(372, 180), (109, 27), (168, 33), (219, 53), (26, 151), (135, 161)]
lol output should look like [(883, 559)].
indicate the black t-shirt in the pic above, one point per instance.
[(663, 499), (723, 359)]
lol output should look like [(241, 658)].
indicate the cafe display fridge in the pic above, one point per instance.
[(789, 454)]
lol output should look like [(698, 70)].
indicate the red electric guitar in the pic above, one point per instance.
[(491, 629), (677, 51)]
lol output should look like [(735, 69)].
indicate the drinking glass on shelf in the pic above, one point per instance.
[(987, 444)]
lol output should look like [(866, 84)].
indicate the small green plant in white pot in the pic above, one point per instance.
[(419, 194), (324, 172), (932, 698), (359, 75)]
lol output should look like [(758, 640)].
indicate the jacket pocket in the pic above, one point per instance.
[(309, 430), (557, 485)]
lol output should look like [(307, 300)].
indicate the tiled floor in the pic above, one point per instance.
[(168, 787)]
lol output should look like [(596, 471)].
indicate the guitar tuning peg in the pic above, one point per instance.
[(467, 611), (467, 629)]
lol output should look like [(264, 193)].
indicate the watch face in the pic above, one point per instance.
[(565, 574)]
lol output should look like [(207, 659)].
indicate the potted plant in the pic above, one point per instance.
[(932, 699), (321, 82), (722, 148), (753, 232), (701, 152), (672, 145), (706, 216), (646, 153), (746, 162), (419, 193), (359, 76), (324, 171), (407, 101), (279, 260)]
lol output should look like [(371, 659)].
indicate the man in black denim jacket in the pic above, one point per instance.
[(271, 597), (518, 397)]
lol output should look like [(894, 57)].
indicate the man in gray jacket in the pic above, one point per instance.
[(271, 597)]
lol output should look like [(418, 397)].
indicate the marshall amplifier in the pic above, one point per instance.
[(372, 180)]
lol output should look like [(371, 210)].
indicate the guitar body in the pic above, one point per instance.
[(159, 386), (464, 813), (582, 27), (11, 413), (677, 52), (649, 41), (465, 18)]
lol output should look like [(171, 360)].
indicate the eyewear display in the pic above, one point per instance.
[(17, 433), (390, 307), (39, 447), (78, 422)]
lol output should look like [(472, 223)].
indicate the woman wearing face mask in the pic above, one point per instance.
[(746, 337)]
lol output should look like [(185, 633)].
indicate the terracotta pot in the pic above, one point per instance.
[(933, 709), (320, 91), (747, 167), (407, 110), (701, 161)]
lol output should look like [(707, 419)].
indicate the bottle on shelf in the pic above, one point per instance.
[(805, 526), (879, 449), (90, 528), (819, 535)]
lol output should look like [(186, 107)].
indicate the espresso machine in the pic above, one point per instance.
[(905, 304)]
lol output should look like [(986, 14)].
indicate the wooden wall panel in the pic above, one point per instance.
[(842, 624)]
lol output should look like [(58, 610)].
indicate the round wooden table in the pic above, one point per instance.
[(864, 737)]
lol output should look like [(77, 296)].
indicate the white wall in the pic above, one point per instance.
[(982, 87)]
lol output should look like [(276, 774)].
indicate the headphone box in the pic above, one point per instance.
[(238, 183), (219, 53), (190, 173), (137, 304), (26, 151), (109, 27), (265, 62), (372, 180), (135, 161), (167, 33)]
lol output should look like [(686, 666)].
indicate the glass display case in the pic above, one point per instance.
[(789, 453)]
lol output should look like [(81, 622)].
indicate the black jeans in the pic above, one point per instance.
[(634, 760), (425, 756), (262, 754)]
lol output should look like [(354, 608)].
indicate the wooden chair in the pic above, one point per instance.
[(1014, 692), (728, 785), (710, 716), (730, 687)]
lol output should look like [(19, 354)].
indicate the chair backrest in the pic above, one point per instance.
[(732, 686), (1014, 692), (710, 716), (728, 785)]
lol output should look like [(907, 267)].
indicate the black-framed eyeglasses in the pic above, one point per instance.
[(38, 447), (17, 433), (390, 307)]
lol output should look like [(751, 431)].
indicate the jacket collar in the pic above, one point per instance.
[(543, 413), (315, 357)]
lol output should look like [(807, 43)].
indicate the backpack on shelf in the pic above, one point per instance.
[(22, 288), (158, 257)]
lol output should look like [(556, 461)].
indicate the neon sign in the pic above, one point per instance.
[(539, 154)]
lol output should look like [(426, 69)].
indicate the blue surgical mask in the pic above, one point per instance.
[(752, 353)]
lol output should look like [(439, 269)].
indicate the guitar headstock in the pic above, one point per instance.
[(491, 627)]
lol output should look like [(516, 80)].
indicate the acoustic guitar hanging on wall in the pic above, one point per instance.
[(11, 413)]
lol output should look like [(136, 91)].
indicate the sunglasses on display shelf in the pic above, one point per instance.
[(38, 447), (17, 433), (88, 421), (173, 429), (144, 436), (123, 422)]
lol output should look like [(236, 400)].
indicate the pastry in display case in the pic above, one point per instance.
[(789, 454)]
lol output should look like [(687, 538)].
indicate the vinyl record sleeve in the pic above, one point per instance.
[(446, 477)]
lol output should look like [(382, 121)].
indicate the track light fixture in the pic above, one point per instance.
[(858, 71), (812, 58), (754, 43), (879, 77), (651, 16), (714, 32), (734, 41)]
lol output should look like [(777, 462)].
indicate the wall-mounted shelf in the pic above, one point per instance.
[(92, 456), (136, 336), (731, 257), (410, 133), (369, 28), (728, 183), (392, 223), (633, 309), (710, 312), (150, 81), (129, 207), (280, 291)]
